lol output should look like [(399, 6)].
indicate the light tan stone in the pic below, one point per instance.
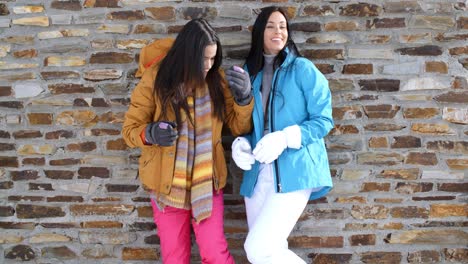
[(36, 149), (432, 22), (17, 77), (83, 118), (28, 9), (438, 129), (448, 210), (110, 238), (416, 38), (10, 239), (353, 175), (132, 43), (53, 101), (102, 74), (114, 28), (48, 238), (4, 49), (63, 33), (341, 26), (32, 21), (14, 66), (103, 160), (437, 237), (57, 61)]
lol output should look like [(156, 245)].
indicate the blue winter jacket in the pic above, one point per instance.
[(299, 96)]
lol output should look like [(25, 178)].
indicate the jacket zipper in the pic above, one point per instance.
[(272, 126)]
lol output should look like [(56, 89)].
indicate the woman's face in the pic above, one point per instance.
[(276, 34), (209, 58)]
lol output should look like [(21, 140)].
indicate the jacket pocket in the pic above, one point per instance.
[(219, 165), (150, 168)]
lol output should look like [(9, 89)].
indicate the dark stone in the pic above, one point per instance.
[(59, 134), (41, 186), (406, 142), (9, 162), (4, 10), (65, 199), (6, 211), (20, 252), (428, 50), (80, 102), (453, 97), (70, 5), (12, 104), (59, 174), (360, 10), (24, 211), (142, 226), (64, 162), (199, 12), (110, 58), (127, 15), (5, 91), (306, 27), (121, 187), (88, 172), (25, 175), (7, 146), (386, 23), (27, 134), (322, 258), (69, 88), (4, 134), (380, 85), (6, 185)]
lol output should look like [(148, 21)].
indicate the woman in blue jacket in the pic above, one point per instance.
[(288, 164)]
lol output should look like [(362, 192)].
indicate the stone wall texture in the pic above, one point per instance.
[(69, 189)]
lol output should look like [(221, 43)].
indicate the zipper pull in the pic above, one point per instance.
[(279, 188)]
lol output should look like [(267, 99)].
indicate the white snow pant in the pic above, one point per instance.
[(271, 217)]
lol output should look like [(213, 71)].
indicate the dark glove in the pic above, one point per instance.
[(239, 83), (161, 133)]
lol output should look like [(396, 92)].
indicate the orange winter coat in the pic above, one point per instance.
[(156, 163)]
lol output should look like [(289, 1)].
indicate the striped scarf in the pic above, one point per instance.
[(192, 185)]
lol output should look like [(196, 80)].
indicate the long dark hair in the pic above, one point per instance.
[(255, 59), (182, 68)]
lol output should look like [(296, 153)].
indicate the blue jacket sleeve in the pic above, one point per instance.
[(318, 99)]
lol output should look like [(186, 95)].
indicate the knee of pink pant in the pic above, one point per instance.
[(217, 255), (175, 247)]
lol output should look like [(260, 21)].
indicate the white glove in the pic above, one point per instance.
[(242, 153), (272, 145)]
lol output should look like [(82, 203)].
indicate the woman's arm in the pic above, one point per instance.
[(238, 118), (318, 99), (141, 110)]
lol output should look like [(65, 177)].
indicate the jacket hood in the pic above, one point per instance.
[(152, 54)]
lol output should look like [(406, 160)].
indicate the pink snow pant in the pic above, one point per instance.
[(173, 225)]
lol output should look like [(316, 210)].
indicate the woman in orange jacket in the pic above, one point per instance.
[(176, 115)]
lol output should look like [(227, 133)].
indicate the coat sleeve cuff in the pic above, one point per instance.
[(143, 137), (293, 136)]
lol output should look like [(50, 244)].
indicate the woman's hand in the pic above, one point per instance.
[(161, 133), (239, 83)]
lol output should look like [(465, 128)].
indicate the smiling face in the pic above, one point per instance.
[(275, 35), (209, 58)]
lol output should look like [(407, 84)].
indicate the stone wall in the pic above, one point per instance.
[(399, 151)]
